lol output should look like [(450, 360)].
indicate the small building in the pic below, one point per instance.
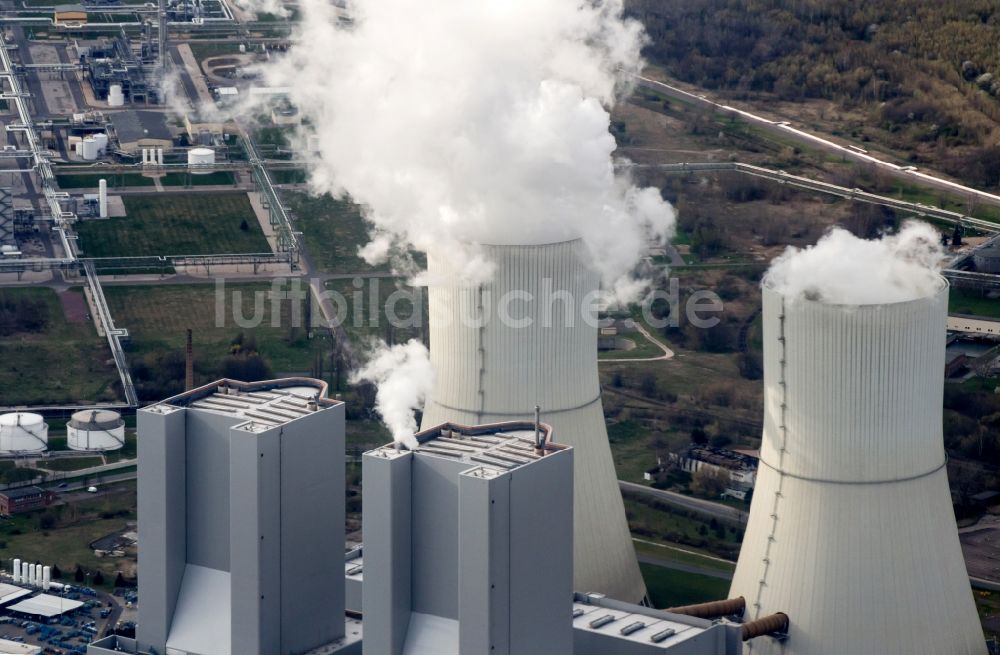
[(63, 14), (202, 130), (24, 499), (142, 129), (740, 467)]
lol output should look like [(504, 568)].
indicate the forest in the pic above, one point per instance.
[(926, 74)]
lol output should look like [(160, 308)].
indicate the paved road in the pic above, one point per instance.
[(785, 129), (704, 507), (686, 568), (667, 352)]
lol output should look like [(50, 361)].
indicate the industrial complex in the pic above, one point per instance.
[(557, 457)]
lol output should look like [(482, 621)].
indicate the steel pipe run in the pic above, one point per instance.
[(772, 624), (712, 610)]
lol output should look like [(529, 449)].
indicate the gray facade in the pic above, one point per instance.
[(241, 521), (469, 545)]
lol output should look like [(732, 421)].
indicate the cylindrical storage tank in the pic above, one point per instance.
[(201, 160), (851, 530), (16, 570), (46, 577), (493, 370), (22, 432), (95, 429), (25, 575), (102, 142), (102, 197), (88, 149), (116, 98), (33, 574)]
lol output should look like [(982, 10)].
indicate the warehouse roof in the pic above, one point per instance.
[(46, 605), (10, 593), (135, 125), (22, 492)]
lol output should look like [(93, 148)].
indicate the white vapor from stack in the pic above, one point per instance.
[(842, 269), (463, 123), (404, 377)]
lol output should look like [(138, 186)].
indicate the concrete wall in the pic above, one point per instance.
[(162, 524)]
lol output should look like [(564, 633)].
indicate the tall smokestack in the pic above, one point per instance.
[(189, 363), (851, 528), (492, 371)]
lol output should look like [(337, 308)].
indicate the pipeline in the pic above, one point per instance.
[(767, 625), (712, 610)]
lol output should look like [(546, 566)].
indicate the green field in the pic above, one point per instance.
[(157, 317), (91, 180), (332, 229), (670, 588), (365, 310), (72, 463), (217, 178), (974, 303), (64, 363), (203, 51), (176, 224)]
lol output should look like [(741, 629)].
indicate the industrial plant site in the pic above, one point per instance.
[(510, 328)]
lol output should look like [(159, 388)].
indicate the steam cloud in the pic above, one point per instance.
[(843, 269), (404, 377), (474, 122)]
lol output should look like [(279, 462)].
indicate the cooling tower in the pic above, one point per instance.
[(499, 368), (851, 529)]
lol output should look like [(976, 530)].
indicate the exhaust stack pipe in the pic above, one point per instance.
[(772, 624), (712, 610)]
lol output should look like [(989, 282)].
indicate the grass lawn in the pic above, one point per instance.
[(217, 178), (332, 230), (205, 50), (976, 303), (72, 463), (365, 311), (30, 361), (683, 555), (176, 224), (671, 588), (157, 317), (91, 180), (288, 176)]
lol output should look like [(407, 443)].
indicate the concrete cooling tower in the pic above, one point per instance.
[(498, 370), (851, 529)]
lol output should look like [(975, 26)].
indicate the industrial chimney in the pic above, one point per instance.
[(851, 528), (494, 370)]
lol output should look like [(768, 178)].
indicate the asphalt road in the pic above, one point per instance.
[(703, 507), (686, 568), (784, 129)]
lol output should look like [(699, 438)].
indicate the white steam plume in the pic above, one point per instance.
[(404, 377), (468, 122), (842, 269)]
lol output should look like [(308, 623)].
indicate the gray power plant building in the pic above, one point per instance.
[(241, 520), (468, 542)]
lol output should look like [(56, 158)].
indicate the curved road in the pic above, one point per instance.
[(667, 352), (706, 507)]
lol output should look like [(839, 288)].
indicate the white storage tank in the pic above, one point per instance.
[(102, 142), (201, 160), (115, 96), (23, 432), (88, 149), (95, 429)]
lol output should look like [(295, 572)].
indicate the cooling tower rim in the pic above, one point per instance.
[(519, 246), (943, 284)]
